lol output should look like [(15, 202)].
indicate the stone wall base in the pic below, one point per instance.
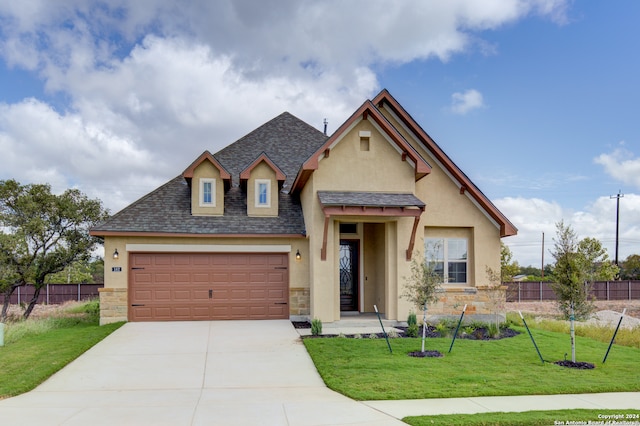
[(299, 302), (484, 303), (113, 305)]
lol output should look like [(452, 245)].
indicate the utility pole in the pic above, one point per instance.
[(617, 197), (542, 257)]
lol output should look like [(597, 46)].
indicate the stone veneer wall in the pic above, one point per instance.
[(482, 303), (299, 301), (113, 305)]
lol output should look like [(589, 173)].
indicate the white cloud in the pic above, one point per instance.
[(150, 85), (532, 217), (621, 165), (462, 103)]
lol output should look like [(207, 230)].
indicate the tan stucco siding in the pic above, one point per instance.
[(206, 170), (349, 169), (448, 208), (262, 172)]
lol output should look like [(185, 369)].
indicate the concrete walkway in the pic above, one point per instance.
[(231, 373), (191, 373), (489, 404)]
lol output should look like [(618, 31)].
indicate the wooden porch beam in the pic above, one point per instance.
[(323, 250)]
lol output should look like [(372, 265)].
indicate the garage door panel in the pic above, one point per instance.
[(169, 286), (163, 277), (183, 277), (162, 294), (142, 278), (200, 277)]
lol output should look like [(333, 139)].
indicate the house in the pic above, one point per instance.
[(287, 222)]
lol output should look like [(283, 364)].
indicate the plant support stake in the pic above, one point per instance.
[(457, 328), (383, 332), (614, 335), (530, 335)]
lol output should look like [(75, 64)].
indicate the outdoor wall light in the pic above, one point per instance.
[(298, 255), (116, 254)]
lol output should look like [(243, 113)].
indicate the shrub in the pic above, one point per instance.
[(316, 327), (357, 336), (493, 330), (412, 319), (373, 336), (392, 334), (443, 329), (468, 329), (412, 330), (90, 307)]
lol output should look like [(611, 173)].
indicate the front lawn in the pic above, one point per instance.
[(528, 418), (37, 348), (363, 369)]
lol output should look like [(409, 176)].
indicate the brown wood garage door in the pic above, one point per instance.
[(211, 286)]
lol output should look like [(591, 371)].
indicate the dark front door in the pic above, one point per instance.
[(349, 273)]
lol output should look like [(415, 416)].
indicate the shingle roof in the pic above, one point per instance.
[(368, 199), (286, 140)]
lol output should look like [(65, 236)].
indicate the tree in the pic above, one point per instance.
[(42, 233), (81, 271), (495, 291), (631, 268), (596, 263), (577, 265), (569, 278), (422, 287), (508, 267)]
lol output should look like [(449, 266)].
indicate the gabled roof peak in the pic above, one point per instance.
[(246, 173), (206, 156)]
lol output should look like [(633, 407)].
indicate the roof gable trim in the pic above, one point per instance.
[(450, 168), (367, 111), (206, 156), (246, 173)]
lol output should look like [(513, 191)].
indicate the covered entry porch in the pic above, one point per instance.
[(369, 238)]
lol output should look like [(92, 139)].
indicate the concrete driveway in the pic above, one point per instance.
[(191, 373)]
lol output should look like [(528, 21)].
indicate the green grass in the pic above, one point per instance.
[(533, 418), (364, 369), (37, 348), (625, 336)]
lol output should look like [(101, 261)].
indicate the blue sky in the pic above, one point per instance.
[(535, 100)]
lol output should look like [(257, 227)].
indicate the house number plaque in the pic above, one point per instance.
[(116, 269)]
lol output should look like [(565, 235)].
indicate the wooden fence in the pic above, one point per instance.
[(53, 294), (601, 290), (516, 292)]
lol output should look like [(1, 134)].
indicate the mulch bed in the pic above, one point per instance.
[(478, 334), (301, 324), (426, 354), (578, 365)]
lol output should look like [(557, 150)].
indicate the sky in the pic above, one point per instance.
[(535, 100)]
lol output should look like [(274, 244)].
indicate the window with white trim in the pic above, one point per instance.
[(263, 193), (207, 192), (450, 255)]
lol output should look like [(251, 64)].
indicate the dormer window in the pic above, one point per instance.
[(263, 193), (207, 192)]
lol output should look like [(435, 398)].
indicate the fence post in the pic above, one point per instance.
[(607, 290), (47, 293), (18, 295), (541, 291), (629, 285), (519, 290), (78, 292)]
